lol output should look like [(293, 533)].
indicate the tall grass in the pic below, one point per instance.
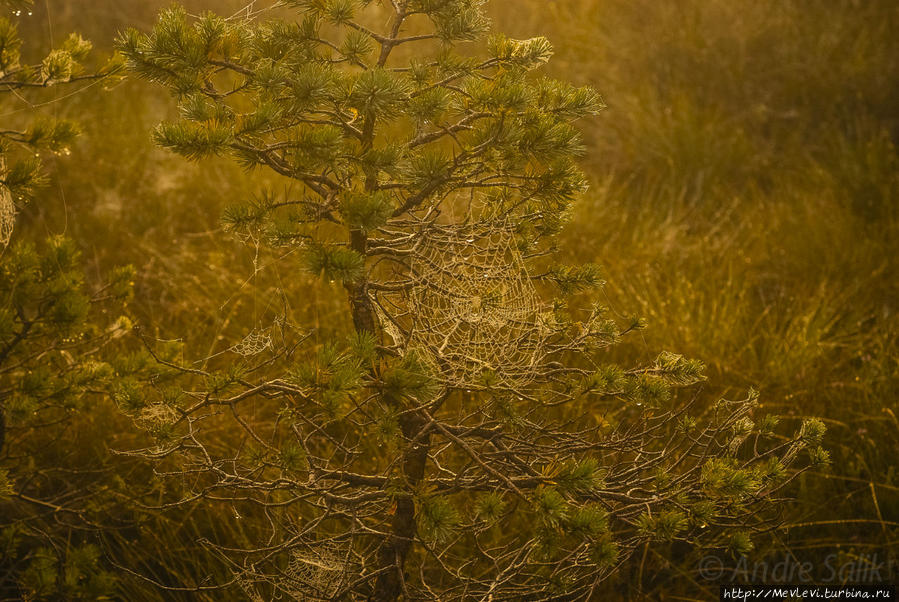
[(745, 200)]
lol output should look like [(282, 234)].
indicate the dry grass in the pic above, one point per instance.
[(745, 200)]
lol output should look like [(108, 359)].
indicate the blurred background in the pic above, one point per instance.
[(744, 199)]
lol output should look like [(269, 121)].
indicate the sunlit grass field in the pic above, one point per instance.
[(744, 199), (745, 203)]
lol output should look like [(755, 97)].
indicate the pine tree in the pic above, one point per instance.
[(54, 327), (462, 434)]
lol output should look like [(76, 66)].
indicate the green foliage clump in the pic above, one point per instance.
[(437, 519), (52, 331)]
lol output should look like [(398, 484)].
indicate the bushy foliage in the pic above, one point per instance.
[(54, 330)]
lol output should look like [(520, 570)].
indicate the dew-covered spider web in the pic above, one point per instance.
[(254, 343), (319, 573), (268, 338), (471, 309)]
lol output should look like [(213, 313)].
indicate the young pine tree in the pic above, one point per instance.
[(53, 329), (461, 435)]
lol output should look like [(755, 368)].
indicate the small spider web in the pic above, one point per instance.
[(319, 573), (254, 343)]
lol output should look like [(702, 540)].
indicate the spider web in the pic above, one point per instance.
[(321, 573), (318, 574), (254, 343), (473, 307)]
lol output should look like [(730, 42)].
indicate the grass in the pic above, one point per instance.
[(744, 199)]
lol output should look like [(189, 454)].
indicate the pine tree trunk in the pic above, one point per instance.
[(395, 550), (363, 312)]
